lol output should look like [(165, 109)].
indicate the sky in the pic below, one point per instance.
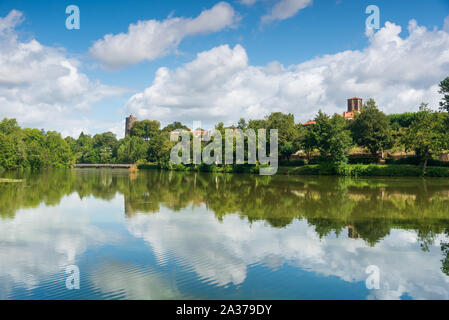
[(213, 61)]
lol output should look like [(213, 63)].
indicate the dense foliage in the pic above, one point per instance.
[(371, 129), (328, 141), (31, 148)]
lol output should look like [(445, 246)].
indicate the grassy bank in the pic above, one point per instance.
[(204, 168), (355, 170), (370, 170), (4, 180)]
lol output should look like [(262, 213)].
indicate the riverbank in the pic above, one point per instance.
[(355, 170), (370, 170)]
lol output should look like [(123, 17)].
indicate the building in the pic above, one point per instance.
[(352, 233), (129, 124), (308, 123), (354, 106), (194, 132)]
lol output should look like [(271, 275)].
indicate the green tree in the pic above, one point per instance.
[(175, 126), (287, 132), (59, 154), (401, 120), (8, 155), (159, 148), (371, 129), (425, 135), (85, 151), (308, 141), (242, 125), (132, 149), (37, 150), (12, 147), (322, 131), (9, 126), (105, 144), (333, 139), (145, 129), (257, 124), (340, 140), (444, 90)]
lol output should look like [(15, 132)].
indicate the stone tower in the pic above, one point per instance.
[(129, 124), (355, 104)]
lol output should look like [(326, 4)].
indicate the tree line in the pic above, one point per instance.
[(329, 140)]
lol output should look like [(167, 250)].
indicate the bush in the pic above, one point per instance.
[(437, 172), (362, 159), (292, 163), (179, 167), (313, 161), (148, 166), (324, 168), (212, 168), (413, 160), (227, 168), (309, 170), (385, 170), (396, 171), (370, 170), (327, 168), (405, 160)]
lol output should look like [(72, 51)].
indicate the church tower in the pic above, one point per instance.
[(129, 124), (355, 104)]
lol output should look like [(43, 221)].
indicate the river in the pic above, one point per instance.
[(183, 235)]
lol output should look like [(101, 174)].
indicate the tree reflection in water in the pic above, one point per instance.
[(367, 209)]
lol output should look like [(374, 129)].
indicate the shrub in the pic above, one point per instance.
[(385, 170), (148, 166), (210, 168), (371, 170), (437, 172), (292, 163), (413, 160), (362, 159), (179, 167), (327, 168), (309, 170), (405, 160)]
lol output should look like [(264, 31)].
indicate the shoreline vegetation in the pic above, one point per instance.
[(370, 144), (351, 170), (4, 180)]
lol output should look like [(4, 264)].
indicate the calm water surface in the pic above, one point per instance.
[(171, 235)]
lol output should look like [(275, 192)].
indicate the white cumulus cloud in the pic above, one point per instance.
[(282, 9), (248, 2), (285, 9), (221, 85), (151, 39), (41, 86)]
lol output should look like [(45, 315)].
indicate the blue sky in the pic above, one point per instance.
[(240, 78)]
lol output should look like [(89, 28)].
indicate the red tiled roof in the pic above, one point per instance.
[(348, 115), (309, 123), (191, 131)]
